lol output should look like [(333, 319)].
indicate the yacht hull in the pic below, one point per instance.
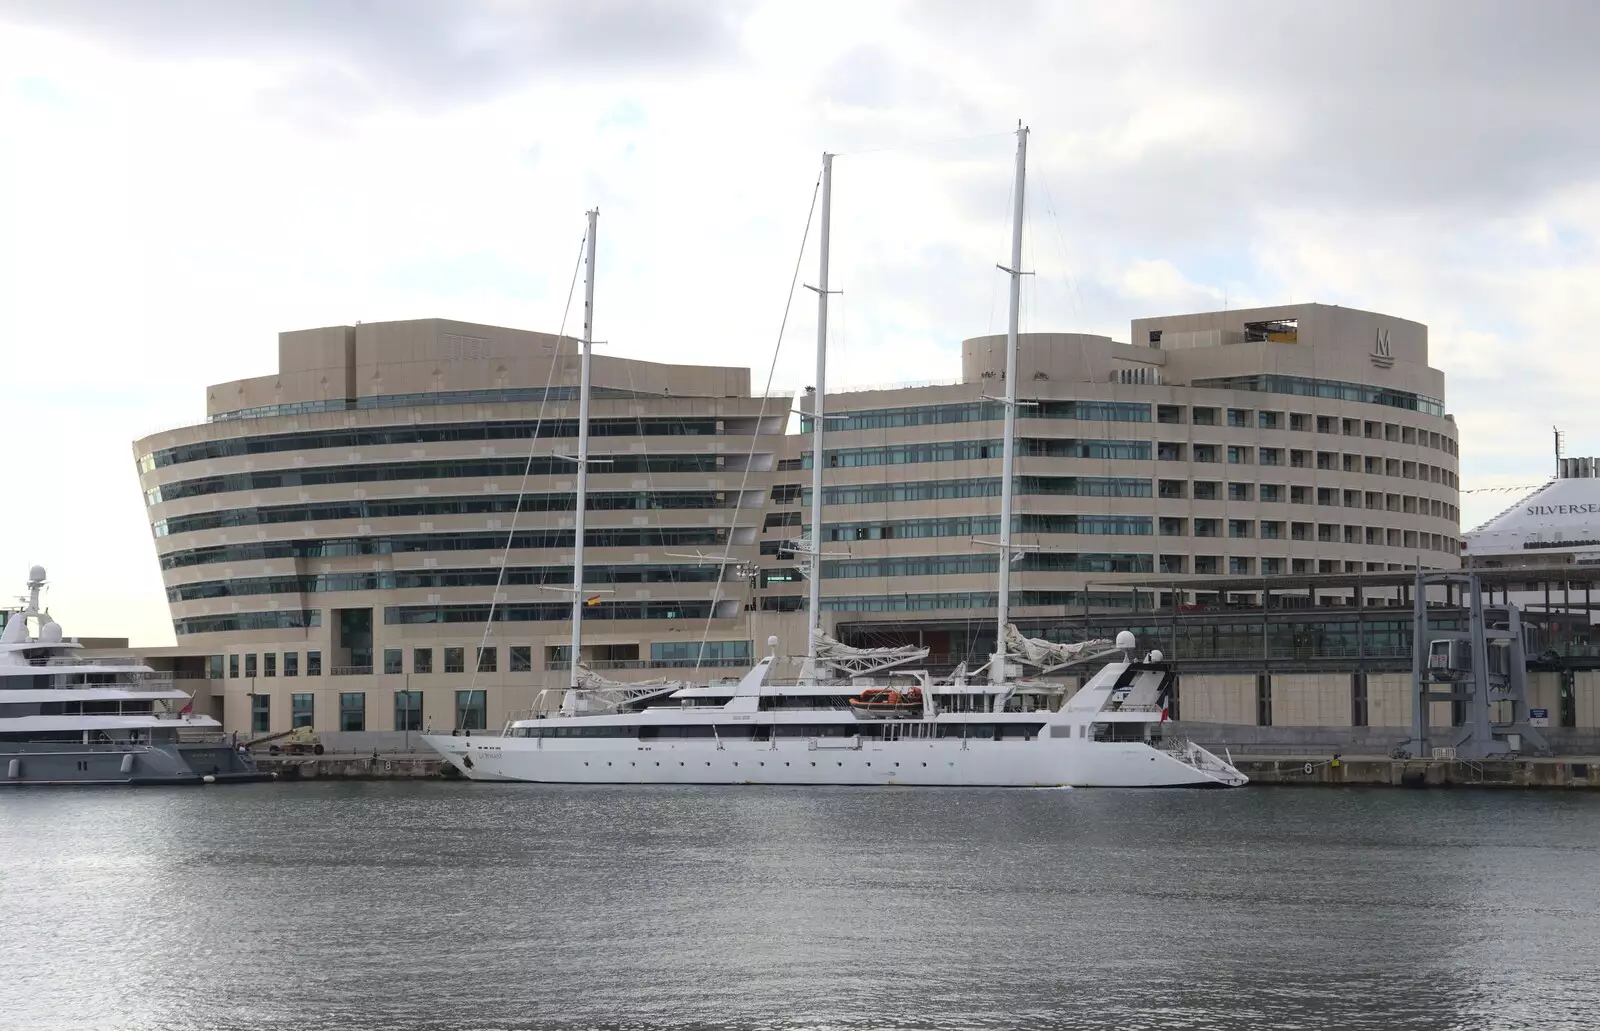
[(1042, 762), (41, 764)]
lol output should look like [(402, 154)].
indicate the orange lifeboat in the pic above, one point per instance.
[(888, 703)]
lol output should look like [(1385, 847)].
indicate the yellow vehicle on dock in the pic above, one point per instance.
[(299, 741)]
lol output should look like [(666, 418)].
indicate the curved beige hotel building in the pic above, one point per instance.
[(333, 537)]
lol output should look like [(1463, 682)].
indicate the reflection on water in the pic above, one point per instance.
[(440, 905)]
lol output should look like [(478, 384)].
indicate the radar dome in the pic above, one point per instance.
[(1156, 656), (772, 642), (1125, 640), (50, 632), (36, 573)]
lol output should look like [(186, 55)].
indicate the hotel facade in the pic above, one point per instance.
[(333, 538)]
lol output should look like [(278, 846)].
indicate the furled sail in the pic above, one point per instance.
[(1036, 651)]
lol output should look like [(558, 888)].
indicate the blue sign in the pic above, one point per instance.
[(1538, 714)]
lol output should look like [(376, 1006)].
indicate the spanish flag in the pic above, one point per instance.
[(591, 602)]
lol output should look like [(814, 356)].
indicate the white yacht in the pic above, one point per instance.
[(70, 720), (837, 725), (1111, 733)]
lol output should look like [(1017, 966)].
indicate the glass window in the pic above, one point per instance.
[(250, 665), (1240, 491), (214, 667), (303, 709), (1205, 490), (471, 709), (313, 664), (522, 657), (422, 660), (269, 664), (392, 659), (1204, 416), (260, 714), (1240, 455), (291, 664), (455, 660), (352, 710), (487, 660), (1241, 566), (1239, 417), (408, 710)]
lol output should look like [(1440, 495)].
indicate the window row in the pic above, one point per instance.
[(1323, 533), (442, 397), (971, 450), (1296, 494), (429, 433), (413, 579), (1295, 458), (979, 411), (384, 472), (471, 711), (971, 526), (1305, 422), (398, 544), (477, 504), (1334, 390), (955, 565)]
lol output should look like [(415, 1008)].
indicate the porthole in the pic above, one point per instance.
[(869, 764), (838, 764), (708, 764), (680, 764), (761, 764), (736, 762), (785, 764), (585, 764), (608, 763), (813, 764), (897, 764), (924, 764)]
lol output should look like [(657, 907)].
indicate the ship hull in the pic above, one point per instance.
[(47, 764), (1040, 762)]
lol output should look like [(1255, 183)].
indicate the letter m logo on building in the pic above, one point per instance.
[(1382, 357)]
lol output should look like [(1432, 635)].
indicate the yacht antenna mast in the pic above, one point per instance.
[(997, 666), (818, 419), (581, 501)]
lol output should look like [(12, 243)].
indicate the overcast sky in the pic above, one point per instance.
[(182, 179)]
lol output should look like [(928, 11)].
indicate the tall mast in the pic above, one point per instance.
[(997, 667), (818, 418), (582, 500)]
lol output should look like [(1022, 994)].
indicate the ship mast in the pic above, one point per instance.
[(997, 664), (582, 500), (818, 419)]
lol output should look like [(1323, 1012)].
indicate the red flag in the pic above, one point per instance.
[(1163, 714), (187, 709)]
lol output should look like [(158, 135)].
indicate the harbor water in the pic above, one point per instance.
[(439, 905)]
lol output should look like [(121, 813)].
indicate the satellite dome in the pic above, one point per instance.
[(1125, 640), (772, 642), (1156, 656), (36, 573), (50, 632)]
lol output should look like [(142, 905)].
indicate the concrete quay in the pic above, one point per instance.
[(1558, 773)]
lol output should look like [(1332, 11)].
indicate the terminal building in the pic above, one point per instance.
[(334, 538)]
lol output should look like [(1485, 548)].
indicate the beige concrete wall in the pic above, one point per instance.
[(1389, 699), (1311, 699), (1218, 698)]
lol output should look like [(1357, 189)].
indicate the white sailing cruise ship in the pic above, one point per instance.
[(69, 720), (836, 726)]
